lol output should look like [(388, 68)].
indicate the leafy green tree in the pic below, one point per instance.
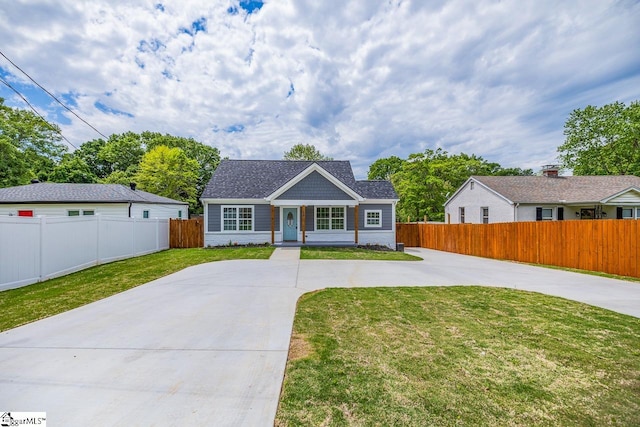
[(207, 157), (14, 170), (384, 168), (119, 177), (305, 152), (74, 170), (425, 180), (122, 152), (603, 140), (89, 152), (169, 172), (36, 143)]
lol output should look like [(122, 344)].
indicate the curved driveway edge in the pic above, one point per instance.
[(208, 344)]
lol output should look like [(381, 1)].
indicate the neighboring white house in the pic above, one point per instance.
[(301, 202), (490, 199), (53, 199)]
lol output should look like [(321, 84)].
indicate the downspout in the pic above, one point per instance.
[(130, 203), (515, 212)]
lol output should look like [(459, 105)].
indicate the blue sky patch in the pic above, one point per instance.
[(152, 45), (292, 90), (160, 7), (234, 128), (251, 5), (232, 10), (105, 109)]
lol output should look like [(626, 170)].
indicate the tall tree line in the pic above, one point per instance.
[(167, 165)]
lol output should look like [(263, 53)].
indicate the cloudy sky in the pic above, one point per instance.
[(359, 79)]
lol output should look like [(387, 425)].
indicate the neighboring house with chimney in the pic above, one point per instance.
[(53, 199), (490, 199)]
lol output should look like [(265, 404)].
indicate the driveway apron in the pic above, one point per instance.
[(208, 345)]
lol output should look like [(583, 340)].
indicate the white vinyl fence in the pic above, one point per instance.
[(35, 249)]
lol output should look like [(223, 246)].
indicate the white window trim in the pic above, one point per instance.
[(84, 212), (148, 214), (550, 218), (482, 215), (74, 210), (462, 215), (237, 229), (330, 230), (366, 219)]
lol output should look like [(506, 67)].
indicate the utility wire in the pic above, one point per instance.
[(53, 96), (36, 111)]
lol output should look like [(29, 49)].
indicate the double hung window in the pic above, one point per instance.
[(373, 218), (237, 218), (330, 218)]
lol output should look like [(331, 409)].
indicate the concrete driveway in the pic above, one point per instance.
[(208, 345)]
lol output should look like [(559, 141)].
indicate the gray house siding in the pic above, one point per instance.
[(261, 220), (214, 217), (387, 216), (351, 219), (314, 187), (311, 215)]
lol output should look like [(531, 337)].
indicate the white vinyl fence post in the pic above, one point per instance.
[(133, 237), (98, 236), (43, 223)]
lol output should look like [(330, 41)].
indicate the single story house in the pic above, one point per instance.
[(489, 199), (53, 199), (276, 201)]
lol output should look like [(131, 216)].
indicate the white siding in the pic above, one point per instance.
[(473, 200), (61, 209), (159, 211), (383, 238), (106, 209), (629, 198), (222, 239)]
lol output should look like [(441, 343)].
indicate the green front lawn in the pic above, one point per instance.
[(447, 356), (44, 299), (307, 252)]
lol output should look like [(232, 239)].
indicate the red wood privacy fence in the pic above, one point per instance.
[(186, 233), (610, 246)]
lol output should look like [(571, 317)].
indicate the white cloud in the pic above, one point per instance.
[(360, 80)]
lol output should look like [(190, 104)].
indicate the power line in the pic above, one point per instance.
[(36, 111), (53, 96)]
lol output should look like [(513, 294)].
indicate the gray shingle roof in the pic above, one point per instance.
[(572, 189), (257, 179), (92, 193)]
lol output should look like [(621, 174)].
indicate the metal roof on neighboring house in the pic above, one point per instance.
[(80, 193), (257, 179), (568, 189)]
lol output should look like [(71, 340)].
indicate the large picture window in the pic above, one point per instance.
[(330, 218), (237, 218)]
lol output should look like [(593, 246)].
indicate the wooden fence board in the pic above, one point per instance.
[(609, 245), (186, 233)]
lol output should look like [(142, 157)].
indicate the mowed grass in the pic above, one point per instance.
[(44, 299), (354, 254), (448, 356)]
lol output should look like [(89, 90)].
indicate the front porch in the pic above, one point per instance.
[(315, 244)]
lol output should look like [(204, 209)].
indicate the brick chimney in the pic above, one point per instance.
[(550, 171)]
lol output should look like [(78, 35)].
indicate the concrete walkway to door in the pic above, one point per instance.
[(208, 345)]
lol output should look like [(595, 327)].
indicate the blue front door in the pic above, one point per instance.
[(290, 224)]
